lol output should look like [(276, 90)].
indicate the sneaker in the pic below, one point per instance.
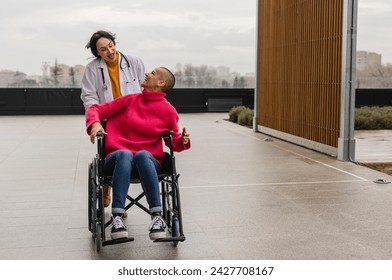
[(157, 228), (119, 230), (107, 189)]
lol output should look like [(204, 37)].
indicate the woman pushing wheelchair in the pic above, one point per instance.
[(133, 132)]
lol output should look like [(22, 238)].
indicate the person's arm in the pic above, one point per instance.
[(181, 141), (98, 112), (93, 115), (89, 93)]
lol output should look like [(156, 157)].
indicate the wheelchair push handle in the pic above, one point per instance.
[(167, 134)]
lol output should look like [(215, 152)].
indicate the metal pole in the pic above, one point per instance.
[(256, 93), (346, 143)]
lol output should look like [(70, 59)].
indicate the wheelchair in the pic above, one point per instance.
[(170, 197)]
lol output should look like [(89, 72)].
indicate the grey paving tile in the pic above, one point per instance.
[(242, 197)]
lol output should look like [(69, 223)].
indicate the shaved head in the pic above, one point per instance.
[(168, 77)]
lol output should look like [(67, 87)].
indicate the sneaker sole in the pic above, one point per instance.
[(157, 235), (119, 235)]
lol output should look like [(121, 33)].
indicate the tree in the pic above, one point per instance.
[(225, 84), (71, 74), (374, 76), (236, 82), (56, 73), (204, 76), (189, 76)]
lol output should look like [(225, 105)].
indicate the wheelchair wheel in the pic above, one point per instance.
[(171, 209), (99, 220), (175, 229), (98, 236), (90, 198), (167, 204)]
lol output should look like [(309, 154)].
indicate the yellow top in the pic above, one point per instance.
[(114, 75)]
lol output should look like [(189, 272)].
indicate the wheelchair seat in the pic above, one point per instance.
[(135, 178)]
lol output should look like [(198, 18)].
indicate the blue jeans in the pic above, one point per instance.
[(120, 164)]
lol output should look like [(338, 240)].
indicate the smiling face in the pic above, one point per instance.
[(106, 49), (153, 80)]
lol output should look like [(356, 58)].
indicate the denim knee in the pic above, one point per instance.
[(143, 154), (120, 159), (123, 154)]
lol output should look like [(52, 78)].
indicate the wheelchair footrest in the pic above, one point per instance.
[(117, 241), (171, 239)]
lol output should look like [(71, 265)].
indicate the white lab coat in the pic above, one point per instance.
[(95, 89)]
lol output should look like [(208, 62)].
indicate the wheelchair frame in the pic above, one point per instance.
[(170, 196)]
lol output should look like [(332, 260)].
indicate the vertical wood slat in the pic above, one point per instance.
[(299, 77)]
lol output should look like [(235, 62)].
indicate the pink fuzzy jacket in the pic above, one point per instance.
[(135, 122)]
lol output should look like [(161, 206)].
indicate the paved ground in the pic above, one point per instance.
[(243, 197), (374, 145)]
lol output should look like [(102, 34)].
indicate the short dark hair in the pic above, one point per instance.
[(92, 44), (169, 78)]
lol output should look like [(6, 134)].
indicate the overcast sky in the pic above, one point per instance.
[(375, 27), (161, 32)]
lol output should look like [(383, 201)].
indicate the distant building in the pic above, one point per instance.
[(59, 76), (365, 59), (66, 76), (16, 79)]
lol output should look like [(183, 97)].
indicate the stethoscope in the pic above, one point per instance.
[(105, 86)]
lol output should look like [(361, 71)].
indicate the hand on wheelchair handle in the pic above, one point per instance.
[(95, 129)]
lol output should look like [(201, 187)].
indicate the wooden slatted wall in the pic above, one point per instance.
[(299, 68)]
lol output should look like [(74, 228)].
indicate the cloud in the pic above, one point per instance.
[(374, 21), (374, 7), (159, 44), (172, 30)]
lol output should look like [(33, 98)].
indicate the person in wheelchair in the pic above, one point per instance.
[(110, 75), (133, 131)]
